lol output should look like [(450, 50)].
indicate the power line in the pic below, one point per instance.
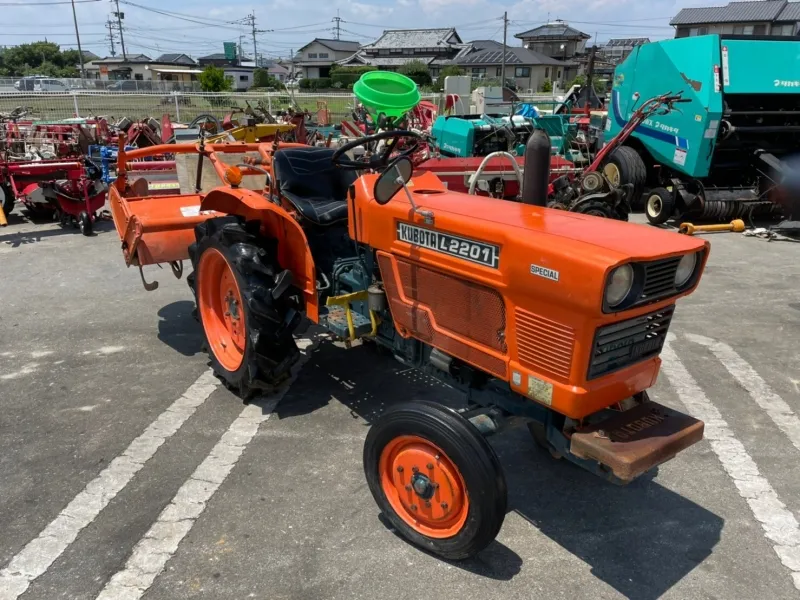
[(29, 4)]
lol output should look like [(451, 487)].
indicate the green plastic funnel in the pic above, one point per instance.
[(386, 92)]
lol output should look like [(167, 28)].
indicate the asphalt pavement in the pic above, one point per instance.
[(127, 471)]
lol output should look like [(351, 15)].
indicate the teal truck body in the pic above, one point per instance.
[(744, 114)]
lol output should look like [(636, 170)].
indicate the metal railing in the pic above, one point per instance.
[(183, 107), (21, 84)]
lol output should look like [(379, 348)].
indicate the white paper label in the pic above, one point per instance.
[(679, 158), (190, 211), (710, 134), (726, 75)]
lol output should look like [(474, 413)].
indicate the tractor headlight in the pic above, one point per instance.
[(685, 270), (619, 285)]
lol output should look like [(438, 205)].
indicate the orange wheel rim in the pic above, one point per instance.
[(221, 309), (423, 486)]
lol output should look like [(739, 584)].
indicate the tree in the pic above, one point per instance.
[(262, 79), (39, 58), (418, 71), (451, 71), (599, 86), (547, 86), (213, 79)]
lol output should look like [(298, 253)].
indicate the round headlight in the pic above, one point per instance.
[(619, 285), (685, 270)]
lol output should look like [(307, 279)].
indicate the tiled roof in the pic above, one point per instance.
[(734, 12), (627, 42), (557, 30), (337, 45), (790, 13), (414, 38), (514, 56)]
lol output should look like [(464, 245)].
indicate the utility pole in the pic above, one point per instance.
[(251, 19), (241, 54), (120, 16), (111, 39), (337, 20), (78, 35), (503, 67)]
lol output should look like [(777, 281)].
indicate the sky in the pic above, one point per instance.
[(199, 27)]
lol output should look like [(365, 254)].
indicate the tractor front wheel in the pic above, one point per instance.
[(625, 165), (660, 206), (247, 323), (436, 479), (85, 223)]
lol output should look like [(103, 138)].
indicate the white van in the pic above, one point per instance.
[(50, 85)]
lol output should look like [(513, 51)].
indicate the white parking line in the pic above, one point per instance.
[(37, 556), (778, 522), (763, 395), (159, 544)]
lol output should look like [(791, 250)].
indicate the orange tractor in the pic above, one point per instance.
[(539, 316)]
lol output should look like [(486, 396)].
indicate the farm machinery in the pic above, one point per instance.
[(540, 317), (723, 156)]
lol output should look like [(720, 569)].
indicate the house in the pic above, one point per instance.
[(279, 72), (241, 78), (617, 49), (556, 40), (763, 17), (314, 60), (395, 47), (526, 68), (218, 60), (139, 67)]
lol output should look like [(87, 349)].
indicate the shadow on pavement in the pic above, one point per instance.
[(178, 329), (641, 539)]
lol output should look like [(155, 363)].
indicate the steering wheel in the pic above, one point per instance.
[(379, 161)]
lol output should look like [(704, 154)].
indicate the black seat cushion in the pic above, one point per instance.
[(317, 189)]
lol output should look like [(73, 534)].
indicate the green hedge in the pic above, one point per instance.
[(315, 84)]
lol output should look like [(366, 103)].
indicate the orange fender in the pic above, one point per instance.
[(294, 252)]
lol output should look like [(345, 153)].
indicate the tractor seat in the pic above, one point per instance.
[(317, 189)]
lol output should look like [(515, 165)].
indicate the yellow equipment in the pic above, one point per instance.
[(250, 134), (737, 226)]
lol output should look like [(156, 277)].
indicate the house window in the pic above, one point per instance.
[(244, 78), (522, 72), (547, 72), (760, 29), (479, 72), (559, 74), (323, 55), (783, 29), (743, 30), (695, 31), (498, 72), (138, 77), (312, 55), (408, 51), (383, 52)]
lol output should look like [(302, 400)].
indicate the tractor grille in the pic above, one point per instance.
[(628, 342), (659, 278), (544, 346)]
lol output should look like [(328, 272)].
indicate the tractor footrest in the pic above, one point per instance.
[(337, 322), (636, 440)]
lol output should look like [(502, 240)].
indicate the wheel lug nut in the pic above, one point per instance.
[(435, 485), (430, 465), (399, 469), (415, 469), (444, 505), (427, 503), (413, 507), (408, 488)]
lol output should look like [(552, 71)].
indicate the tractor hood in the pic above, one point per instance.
[(542, 254)]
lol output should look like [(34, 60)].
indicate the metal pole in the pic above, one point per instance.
[(503, 67), (177, 108), (253, 24), (75, 101), (121, 36), (78, 35), (111, 37)]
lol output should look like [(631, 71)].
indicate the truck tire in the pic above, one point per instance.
[(248, 332), (659, 206), (625, 165), (7, 198), (436, 479)]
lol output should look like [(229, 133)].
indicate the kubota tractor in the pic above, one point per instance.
[(539, 316)]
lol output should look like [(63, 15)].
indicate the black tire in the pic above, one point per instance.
[(631, 169), (659, 205), (85, 223), (7, 198), (206, 118), (465, 448), (597, 209), (270, 350)]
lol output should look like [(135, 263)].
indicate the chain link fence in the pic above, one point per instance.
[(183, 107), (28, 84)]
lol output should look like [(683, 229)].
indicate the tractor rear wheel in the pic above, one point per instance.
[(436, 479), (7, 198), (597, 208), (248, 330), (659, 206), (625, 165)]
